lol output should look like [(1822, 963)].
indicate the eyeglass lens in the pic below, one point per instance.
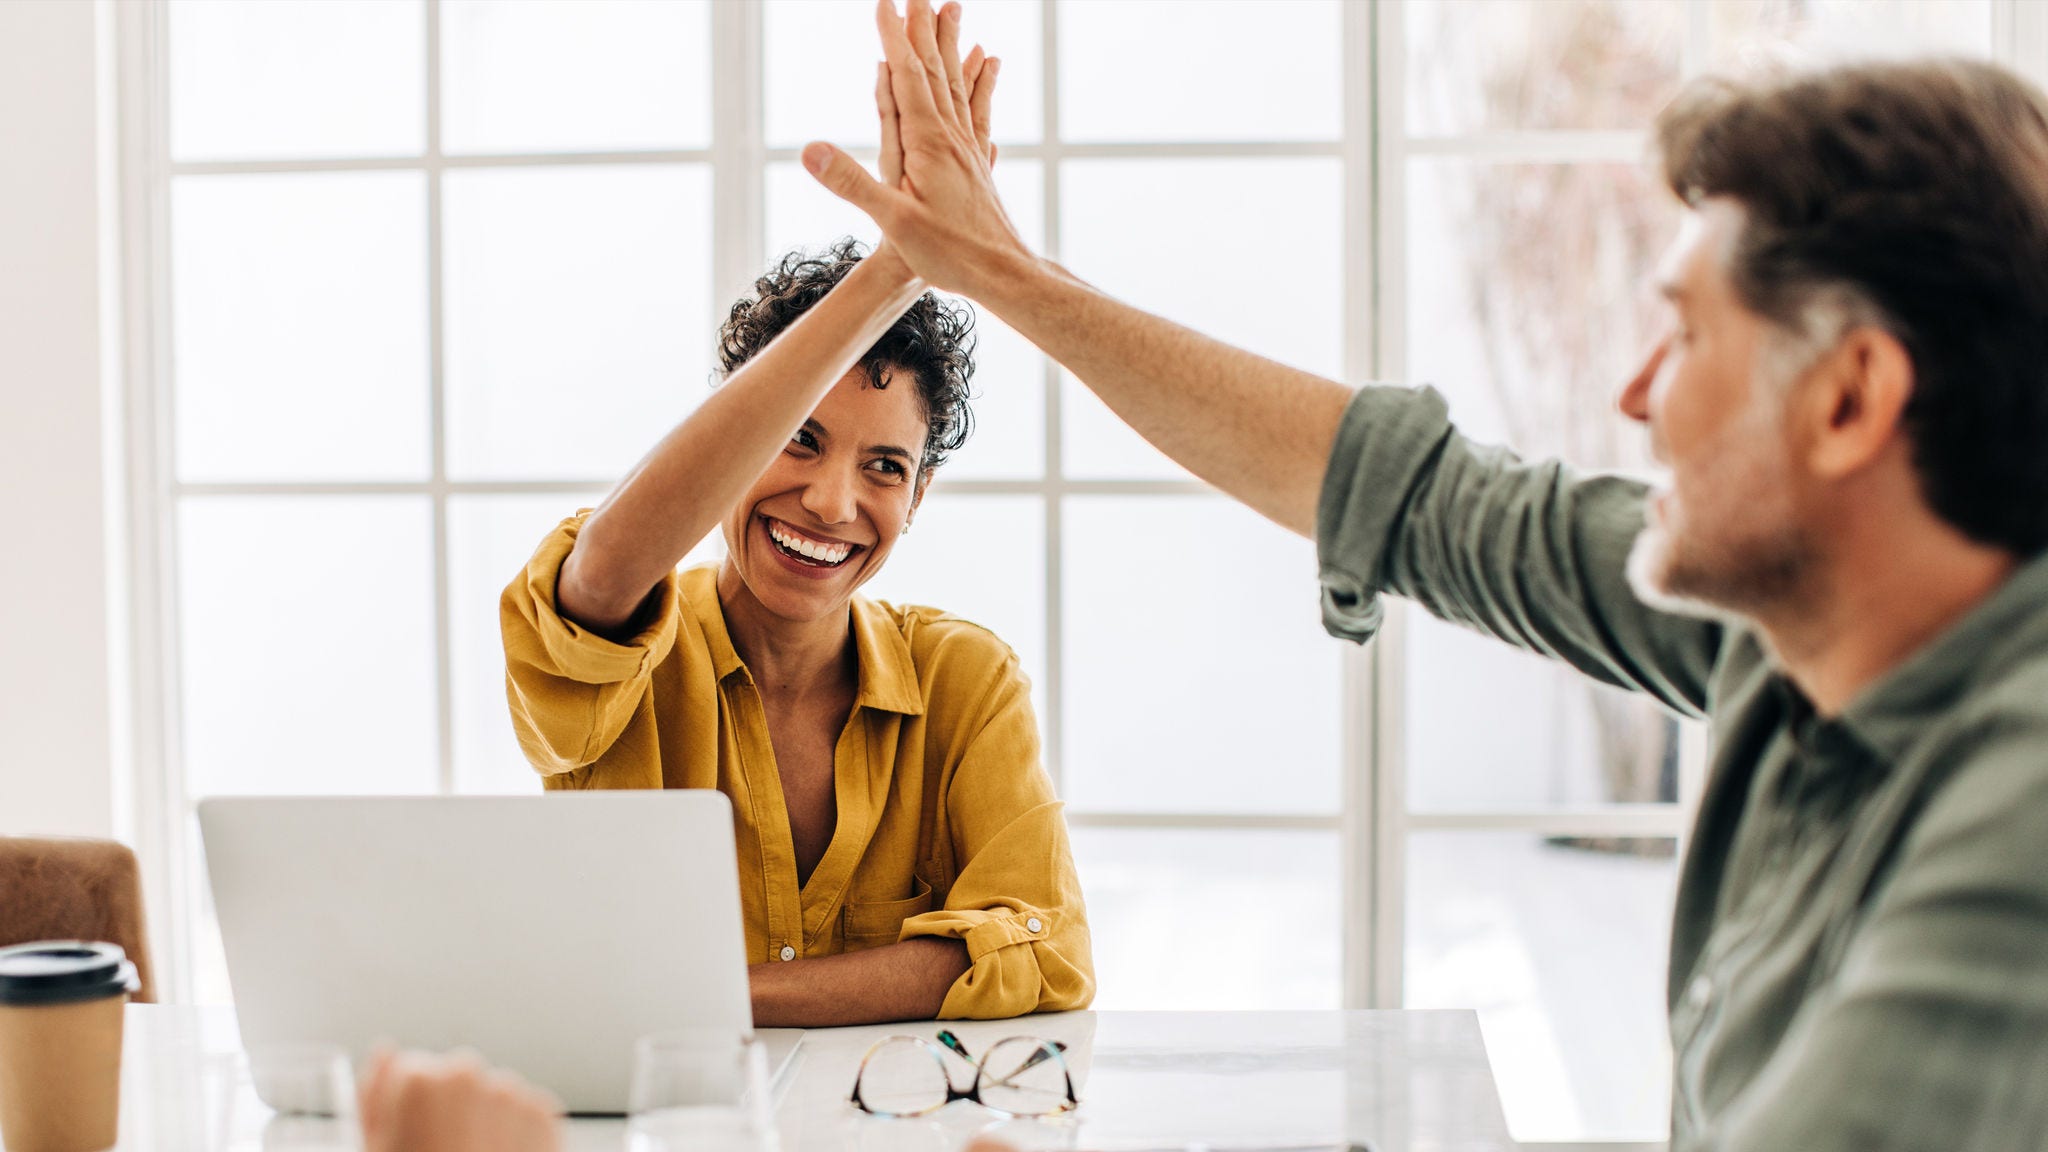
[(904, 1076), (1023, 1077)]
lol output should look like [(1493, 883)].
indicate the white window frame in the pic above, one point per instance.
[(1374, 819)]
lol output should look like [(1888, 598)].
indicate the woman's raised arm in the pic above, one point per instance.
[(682, 488)]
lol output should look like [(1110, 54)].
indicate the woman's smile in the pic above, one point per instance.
[(806, 554)]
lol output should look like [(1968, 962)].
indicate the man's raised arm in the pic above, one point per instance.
[(1258, 430)]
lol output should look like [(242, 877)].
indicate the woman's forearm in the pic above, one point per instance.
[(682, 488), (903, 981)]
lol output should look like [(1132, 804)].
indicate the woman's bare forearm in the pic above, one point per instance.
[(682, 488), (903, 981)]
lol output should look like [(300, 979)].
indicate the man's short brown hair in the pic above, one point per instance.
[(1920, 190)]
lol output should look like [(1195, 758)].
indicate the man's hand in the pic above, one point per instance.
[(936, 202), (1258, 430), (419, 1103)]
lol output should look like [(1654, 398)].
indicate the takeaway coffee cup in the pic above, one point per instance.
[(60, 1044)]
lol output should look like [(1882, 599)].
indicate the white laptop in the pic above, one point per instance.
[(546, 933)]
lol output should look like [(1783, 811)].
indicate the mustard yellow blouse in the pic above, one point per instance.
[(947, 825)]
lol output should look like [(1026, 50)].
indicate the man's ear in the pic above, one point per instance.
[(1856, 402)]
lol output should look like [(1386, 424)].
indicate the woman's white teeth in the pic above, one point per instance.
[(810, 549)]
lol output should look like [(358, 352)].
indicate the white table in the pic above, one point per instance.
[(1401, 1081)]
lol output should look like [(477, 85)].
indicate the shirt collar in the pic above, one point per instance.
[(1892, 713), (700, 593), (888, 676)]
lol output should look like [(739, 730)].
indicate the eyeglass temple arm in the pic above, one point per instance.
[(1038, 1056), (947, 1038)]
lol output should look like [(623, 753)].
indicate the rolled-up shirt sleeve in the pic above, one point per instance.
[(1016, 898), (573, 692), (1532, 554)]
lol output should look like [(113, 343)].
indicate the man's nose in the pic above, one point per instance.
[(1634, 400)]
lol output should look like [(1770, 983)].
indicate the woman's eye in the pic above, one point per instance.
[(892, 467), (804, 439)]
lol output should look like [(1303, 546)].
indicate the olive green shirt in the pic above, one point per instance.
[(1859, 954)]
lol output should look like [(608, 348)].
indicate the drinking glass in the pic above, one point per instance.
[(304, 1080), (700, 1090), (198, 1093)]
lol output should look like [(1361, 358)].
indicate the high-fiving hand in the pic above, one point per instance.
[(936, 201)]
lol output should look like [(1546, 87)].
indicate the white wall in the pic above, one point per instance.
[(56, 744)]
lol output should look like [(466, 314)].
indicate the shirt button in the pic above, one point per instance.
[(1034, 925), (787, 952), (1699, 992)]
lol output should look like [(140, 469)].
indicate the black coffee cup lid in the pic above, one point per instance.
[(64, 972)]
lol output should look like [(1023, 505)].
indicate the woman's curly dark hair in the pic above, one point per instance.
[(934, 341)]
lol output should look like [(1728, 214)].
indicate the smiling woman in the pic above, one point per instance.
[(901, 852), (846, 485)]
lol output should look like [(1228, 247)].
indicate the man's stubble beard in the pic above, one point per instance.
[(1743, 583), (1745, 556)]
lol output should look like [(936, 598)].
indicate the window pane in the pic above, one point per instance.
[(981, 558), (1009, 374), (1198, 677), (1212, 919), (1008, 442), (1529, 298), (1551, 738), (490, 539), (575, 75), (1136, 70), (821, 57), (1511, 65), (1748, 30), (300, 326), (307, 637), (1247, 251), (263, 79), (1560, 944), (579, 316)]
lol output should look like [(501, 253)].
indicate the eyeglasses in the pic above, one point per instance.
[(907, 1076)]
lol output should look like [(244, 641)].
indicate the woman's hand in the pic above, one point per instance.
[(885, 260), (941, 211), (977, 80), (413, 1102), (978, 76), (975, 83)]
